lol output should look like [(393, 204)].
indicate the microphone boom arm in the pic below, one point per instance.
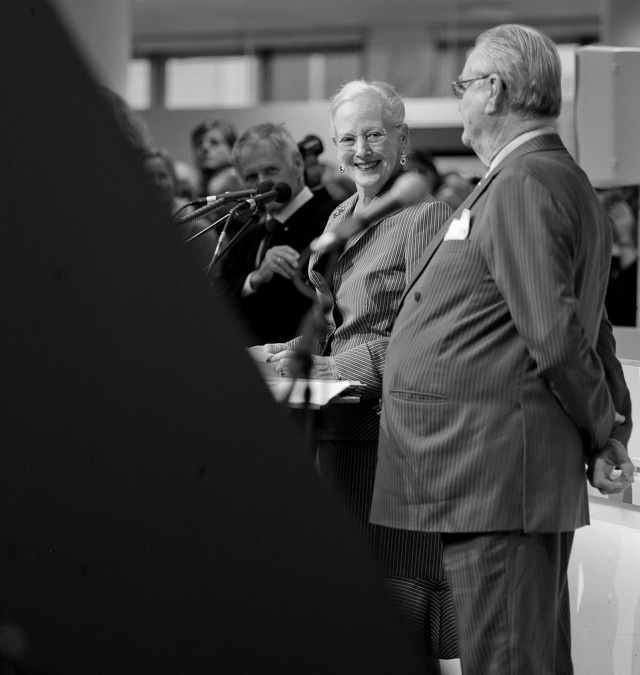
[(254, 218), (202, 211)]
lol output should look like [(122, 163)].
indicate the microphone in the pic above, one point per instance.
[(280, 193), (263, 188), (217, 202), (409, 189), (225, 197)]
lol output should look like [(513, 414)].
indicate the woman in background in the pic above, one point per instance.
[(158, 166), (159, 169)]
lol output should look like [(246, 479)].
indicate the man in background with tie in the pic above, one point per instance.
[(256, 274), (501, 384)]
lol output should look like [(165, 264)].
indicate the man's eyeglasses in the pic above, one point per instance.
[(459, 87), (373, 137)]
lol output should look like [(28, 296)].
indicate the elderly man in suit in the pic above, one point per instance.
[(501, 383)]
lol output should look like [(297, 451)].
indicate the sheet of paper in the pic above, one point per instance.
[(294, 391), (320, 391), (260, 360)]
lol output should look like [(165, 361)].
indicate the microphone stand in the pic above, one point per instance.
[(196, 215), (254, 218), (201, 212), (206, 229), (314, 325), (266, 192)]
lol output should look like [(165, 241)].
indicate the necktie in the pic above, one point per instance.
[(270, 226)]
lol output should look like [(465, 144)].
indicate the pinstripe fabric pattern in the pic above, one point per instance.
[(349, 467), (411, 561), (362, 299), (494, 392), (420, 599), (368, 281), (491, 619), (606, 349)]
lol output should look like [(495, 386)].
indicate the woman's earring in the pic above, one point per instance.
[(342, 168), (403, 158)]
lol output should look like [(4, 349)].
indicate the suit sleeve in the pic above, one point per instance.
[(365, 363), (529, 255), (618, 389)]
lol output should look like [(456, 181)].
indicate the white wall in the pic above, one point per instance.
[(604, 582), (171, 128), (604, 570), (102, 33)]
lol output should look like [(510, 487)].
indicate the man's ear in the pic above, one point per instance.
[(298, 160), (498, 98), (299, 164)]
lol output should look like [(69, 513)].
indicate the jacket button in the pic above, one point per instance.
[(417, 296)]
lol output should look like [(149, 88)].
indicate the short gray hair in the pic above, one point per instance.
[(275, 135), (528, 62), (380, 91)]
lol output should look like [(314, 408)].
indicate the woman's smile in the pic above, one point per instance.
[(366, 166)]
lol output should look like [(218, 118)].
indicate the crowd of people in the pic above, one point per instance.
[(475, 325)]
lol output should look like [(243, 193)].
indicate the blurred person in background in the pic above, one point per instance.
[(319, 175), (622, 291), (422, 160), (159, 169), (454, 188), (212, 142), (132, 126), (187, 181)]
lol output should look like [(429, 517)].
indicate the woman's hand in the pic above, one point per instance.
[(286, 364), (269, 348)]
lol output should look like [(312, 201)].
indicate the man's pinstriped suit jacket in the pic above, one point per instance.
[(494, 388)]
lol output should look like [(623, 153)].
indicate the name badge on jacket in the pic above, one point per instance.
[(459, 227)]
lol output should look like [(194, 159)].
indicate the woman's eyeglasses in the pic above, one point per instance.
[(373, 137)]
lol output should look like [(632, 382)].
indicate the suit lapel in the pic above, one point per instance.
[(356, 238), (434, 244), (339, 215), (536, 144), (345, 211)]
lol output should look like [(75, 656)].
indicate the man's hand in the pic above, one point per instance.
[(610, 469), (282, 260)]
